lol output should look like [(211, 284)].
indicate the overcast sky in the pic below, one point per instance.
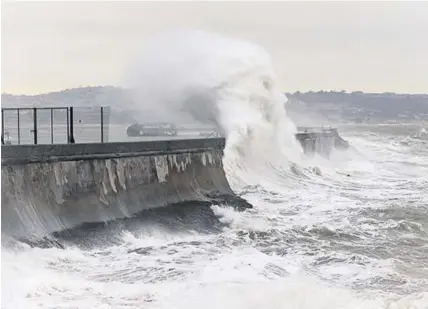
[(368, 46)]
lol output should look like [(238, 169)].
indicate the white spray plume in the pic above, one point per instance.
[(192, 75)]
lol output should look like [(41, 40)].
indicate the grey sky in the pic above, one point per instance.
[(369, 46)]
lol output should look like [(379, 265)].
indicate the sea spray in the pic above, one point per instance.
[(195, 76)]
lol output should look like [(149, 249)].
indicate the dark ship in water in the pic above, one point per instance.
[(152, 129)]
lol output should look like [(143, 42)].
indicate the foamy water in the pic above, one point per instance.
[(328, 241), (316, 237)]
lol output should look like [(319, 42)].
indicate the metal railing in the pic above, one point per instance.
[(54, 125)]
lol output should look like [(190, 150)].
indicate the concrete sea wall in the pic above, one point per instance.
[(49, 188), (322, 142)]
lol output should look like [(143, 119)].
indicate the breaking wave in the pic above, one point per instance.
[(227, 83), (313, 239)]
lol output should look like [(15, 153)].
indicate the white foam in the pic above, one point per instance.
[(242, 278), (294, 292)]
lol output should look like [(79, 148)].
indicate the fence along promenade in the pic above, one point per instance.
[(54, 125)]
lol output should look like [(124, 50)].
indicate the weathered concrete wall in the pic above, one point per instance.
[(50, 188)]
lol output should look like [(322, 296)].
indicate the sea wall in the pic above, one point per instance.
[(49, 188), (322, 142)]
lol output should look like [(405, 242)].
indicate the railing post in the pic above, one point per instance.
[(68, 125), (102, 124), (2, 126), (71, 137), (35, 125), (19, 126), (52, 126)]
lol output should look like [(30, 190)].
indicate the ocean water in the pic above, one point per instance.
[(348, 232), (315, 241)]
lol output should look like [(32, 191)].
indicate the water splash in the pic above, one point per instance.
[(224, 82)]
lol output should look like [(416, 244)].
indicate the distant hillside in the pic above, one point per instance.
[(94, 96), (120, 100), (359, 106), (322, 105)]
